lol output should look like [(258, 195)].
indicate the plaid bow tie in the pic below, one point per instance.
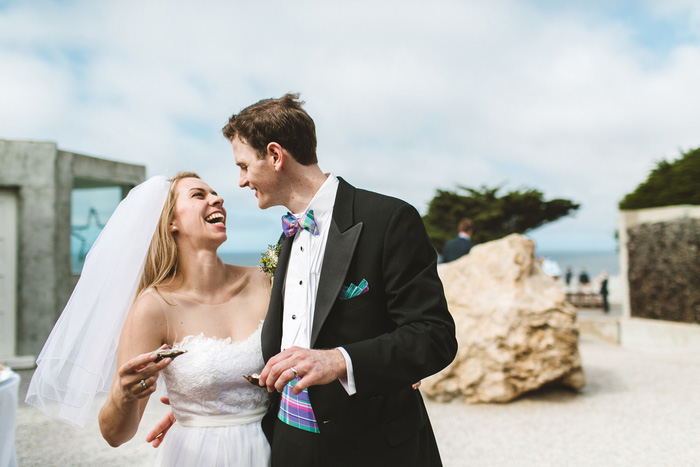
[(291, 224)]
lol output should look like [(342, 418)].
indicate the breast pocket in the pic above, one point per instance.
[(359, 301)]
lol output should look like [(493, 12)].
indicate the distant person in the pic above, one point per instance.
[(569, 275), (604, 290), (460, 245), (583, 278)]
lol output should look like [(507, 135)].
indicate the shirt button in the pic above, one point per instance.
[(301, 282), (294, 316), (302, 248)]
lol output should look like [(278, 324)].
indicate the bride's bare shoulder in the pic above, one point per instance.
[(145, 327), (148, 307), (151, 297)]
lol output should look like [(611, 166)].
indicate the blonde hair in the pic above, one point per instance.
[(161, 261)]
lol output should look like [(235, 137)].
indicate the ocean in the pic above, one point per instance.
[(593, 261), (241, 258)]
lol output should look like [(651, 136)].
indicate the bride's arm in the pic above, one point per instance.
[(144, 331)]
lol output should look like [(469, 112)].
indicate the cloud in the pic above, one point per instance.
[(407, 98)]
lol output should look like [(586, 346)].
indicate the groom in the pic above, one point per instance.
[(357, 312)]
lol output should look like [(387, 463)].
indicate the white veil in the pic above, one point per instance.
[(78, 358)]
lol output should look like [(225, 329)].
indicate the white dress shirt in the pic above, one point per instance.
[(304, 273)]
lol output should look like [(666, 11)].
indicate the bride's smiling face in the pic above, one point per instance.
[(199, 217)]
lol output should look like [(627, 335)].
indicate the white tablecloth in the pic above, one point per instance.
[(9, 388)]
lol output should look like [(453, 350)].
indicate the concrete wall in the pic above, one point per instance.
[(30, 166), (44, 177)]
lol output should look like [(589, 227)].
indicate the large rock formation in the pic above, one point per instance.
[(515, 330)]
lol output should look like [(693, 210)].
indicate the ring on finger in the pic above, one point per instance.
[(143, 384), (294, 370)]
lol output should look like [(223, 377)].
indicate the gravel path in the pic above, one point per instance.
[(640, 407)]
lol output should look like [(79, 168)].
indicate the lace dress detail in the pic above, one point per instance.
[(218, 411), (207, 379)]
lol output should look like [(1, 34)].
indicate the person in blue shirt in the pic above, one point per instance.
[(460, 245)]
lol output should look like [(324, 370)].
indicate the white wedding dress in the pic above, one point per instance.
[(218, 412)]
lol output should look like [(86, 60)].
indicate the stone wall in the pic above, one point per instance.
[(664, 270)]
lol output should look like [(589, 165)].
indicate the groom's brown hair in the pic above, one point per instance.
[(282, 121)]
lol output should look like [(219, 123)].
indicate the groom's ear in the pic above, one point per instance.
[(277, 155)]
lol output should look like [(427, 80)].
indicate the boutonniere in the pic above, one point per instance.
[(268, 260)]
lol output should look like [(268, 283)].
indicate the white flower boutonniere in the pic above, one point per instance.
[(268, 260)]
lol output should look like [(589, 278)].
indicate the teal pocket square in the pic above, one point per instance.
[(352, 290)]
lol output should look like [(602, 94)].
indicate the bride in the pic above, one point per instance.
[(187, 299)]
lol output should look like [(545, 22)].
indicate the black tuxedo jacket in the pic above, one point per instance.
[(396, 334)]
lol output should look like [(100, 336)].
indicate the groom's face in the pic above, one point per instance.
[(257, 174)]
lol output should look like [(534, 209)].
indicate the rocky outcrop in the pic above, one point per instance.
[(515, 330)]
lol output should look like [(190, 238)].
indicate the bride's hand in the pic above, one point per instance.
[(138, 376)]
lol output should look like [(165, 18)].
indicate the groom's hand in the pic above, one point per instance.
[(157, 434), (314, 367)]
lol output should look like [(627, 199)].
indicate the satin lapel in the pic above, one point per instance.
[(342, 239), (272, 327)]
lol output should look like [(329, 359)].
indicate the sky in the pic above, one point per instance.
[(579, 100)]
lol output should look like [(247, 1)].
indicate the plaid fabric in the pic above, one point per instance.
[(352, 290), (296, 411), (291, 224)]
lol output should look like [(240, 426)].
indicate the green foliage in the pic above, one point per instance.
[(669, 184), (493, 216)]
